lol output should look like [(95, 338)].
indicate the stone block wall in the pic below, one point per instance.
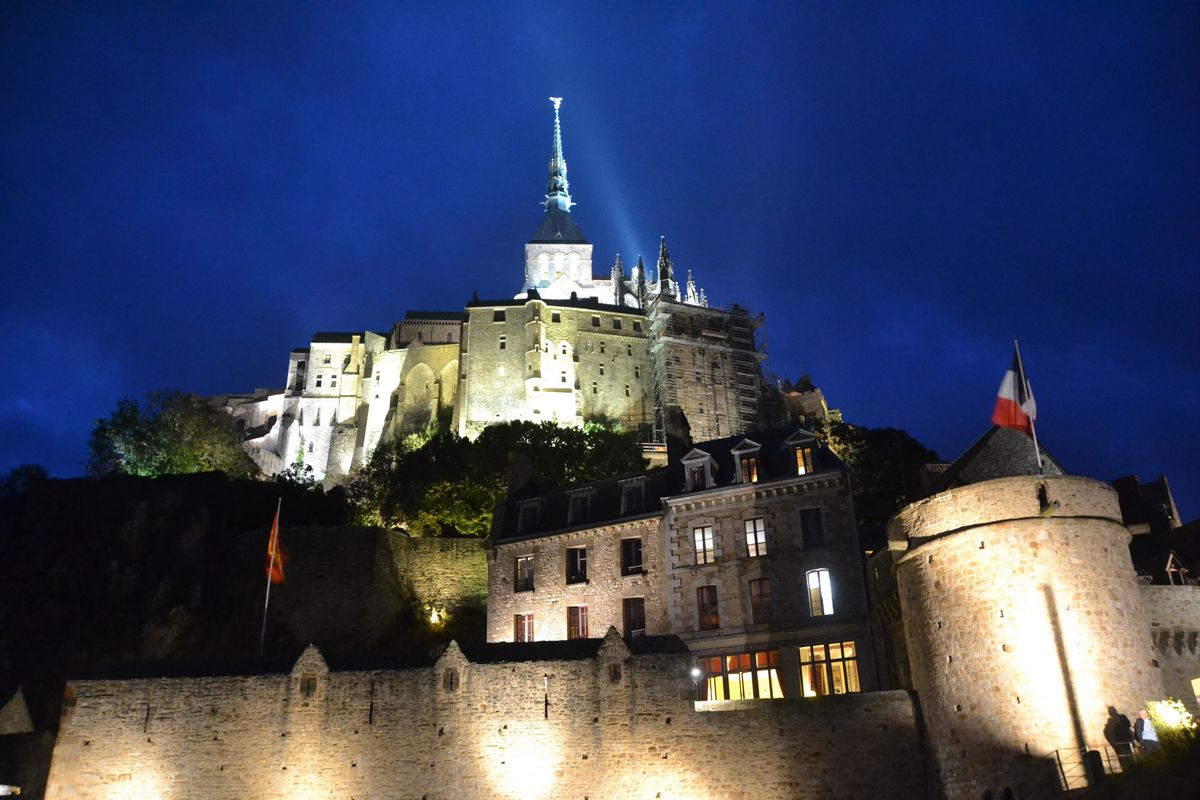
[(612, 726), (1024, 623), (603, 593), (447, 572), (1174, 613)]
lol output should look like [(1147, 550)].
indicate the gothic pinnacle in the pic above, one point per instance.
[(558, 191)]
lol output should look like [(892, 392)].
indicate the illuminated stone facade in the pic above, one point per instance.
[(1174, 613), (568, 346), (1024, 624), (745, 545), (580, 719)]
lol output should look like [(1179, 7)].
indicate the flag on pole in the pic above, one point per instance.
[(1015, 406), (275, 554)]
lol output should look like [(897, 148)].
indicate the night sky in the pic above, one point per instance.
[(190, 190)]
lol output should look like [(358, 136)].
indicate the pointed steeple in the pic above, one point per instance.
[(665, 271), (641, 282), (558, 191), (618, 282), (690, 297)]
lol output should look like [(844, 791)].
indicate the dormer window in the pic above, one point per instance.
[(578, 507), (748, 468), (803, 445), (697, 478), (698, 470), (632, 497), (804, 460), (528, 515)]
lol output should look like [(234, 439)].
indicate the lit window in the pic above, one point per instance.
[(616, 324), (577, 622), (706, 608), (703, 539), (820, 593), (595, 321), (523, 574), (633, 612), (631, 556), (804, 460), (498, 315), (741, 676), (761, 607), (578, 507), (637, 326), (812, 528), (523, 627), (756, 537), (503, 342), (830, 668), (748, 469), (576, 564)]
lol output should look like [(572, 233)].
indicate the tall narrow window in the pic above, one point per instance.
[(812, 528), (631, 498), (319, 376), (756, 537), (761, 605), (523, 574), (820, 593), (697, 478), (578, 507), (829, 668), (503, 342), (593, 387), (703, 539), (577, 622), (576, 564), (637, 372), (631, 556), (804, 460), (706, 608), (749, 468), (602, 347), (602, 366), (527, 517), (629, 350), (564, 376), (627, 390), (633, 612), (523, 627)]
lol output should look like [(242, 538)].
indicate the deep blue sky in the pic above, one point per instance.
[(189, 190)]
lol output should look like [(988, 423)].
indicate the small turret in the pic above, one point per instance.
[(641, 283), (618, 282), (666, 283)]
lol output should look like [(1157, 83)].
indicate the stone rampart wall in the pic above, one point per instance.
[(1174, 613), (613, 726), (449, 572)]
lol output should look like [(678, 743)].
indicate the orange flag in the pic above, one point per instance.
[(275, 555)]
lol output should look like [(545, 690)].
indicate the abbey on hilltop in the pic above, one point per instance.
[(638, 347)]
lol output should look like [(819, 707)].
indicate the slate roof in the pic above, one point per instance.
[(334, 337), (999, 453), (776, 461), (565, 649), (558, 227), (457, 316)]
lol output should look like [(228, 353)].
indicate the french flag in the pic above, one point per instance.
[(1015, 406)]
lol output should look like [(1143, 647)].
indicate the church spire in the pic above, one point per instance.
[(618, 282), (666, 276), (558, 191)]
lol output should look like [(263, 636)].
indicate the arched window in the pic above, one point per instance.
[(820, 593), (558, 264)]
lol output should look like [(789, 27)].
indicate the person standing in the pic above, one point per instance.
[(1143, 731)]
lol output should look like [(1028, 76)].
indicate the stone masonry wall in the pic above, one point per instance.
[(1174, 613), (610, 727), (449, 572), (1024, 625), (603, 593)]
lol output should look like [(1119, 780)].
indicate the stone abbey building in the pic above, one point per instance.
[(632, 346)]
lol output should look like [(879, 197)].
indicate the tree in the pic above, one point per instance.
[(173, 433), (18, 479), (444, 483)]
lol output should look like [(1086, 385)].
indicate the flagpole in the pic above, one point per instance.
[(1032, 426), (262, 637)]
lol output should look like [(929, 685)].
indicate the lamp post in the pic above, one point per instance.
[(696, 682)]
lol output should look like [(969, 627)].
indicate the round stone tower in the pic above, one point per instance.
[(1024, 624)]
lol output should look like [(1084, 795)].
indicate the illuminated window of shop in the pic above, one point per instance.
[(756, 537), (820, 593), (577, 622), (740, 676), (702, 538), (829, 668)]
